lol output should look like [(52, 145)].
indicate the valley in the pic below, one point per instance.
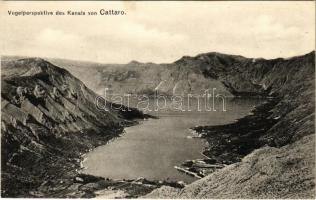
[(49, 121)]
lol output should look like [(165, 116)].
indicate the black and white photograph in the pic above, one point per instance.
[(157, 99)]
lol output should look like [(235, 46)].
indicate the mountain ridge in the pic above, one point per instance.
[(188, 75), (48, 119)]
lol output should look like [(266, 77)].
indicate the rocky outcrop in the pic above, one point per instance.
[(48, 119)]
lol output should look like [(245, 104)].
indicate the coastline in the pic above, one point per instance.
[(84, 185), (222, 139), (90, 186), (200, 168), (60, 176)]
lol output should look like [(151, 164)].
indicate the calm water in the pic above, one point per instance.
[(153, 148)]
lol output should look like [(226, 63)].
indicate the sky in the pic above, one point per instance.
[(159, 32)]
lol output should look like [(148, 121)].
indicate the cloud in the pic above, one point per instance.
[(161, 31), (56, 38)]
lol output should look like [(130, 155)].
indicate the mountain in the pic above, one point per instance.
[(144, 78), (231, 75), (48, 120), (271, 153)]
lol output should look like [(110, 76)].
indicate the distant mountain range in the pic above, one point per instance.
[(231, 75)]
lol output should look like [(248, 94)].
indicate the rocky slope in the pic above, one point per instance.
[(144, 78), (272, 152), (231, 75), (48, 120)]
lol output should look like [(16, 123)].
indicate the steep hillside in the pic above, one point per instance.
[(231, 75), (271, 154), (144, 78), (291, 82), (48, 119)]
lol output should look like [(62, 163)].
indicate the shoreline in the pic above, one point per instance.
[(60, 176), (201, 167), (225, 135), (90, 186)]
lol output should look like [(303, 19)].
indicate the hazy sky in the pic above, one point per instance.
[(159, 31)]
